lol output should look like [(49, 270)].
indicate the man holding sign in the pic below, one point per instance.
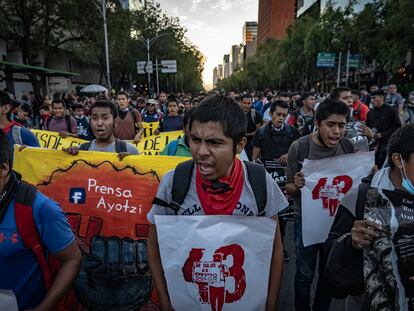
[(372, 237), (328, 141), (218, 184)]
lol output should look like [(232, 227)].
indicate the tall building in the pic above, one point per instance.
[(275, 16), (249, 46), (234, 58), (220, 71), (249, 32), (226, 66), (215, 76)]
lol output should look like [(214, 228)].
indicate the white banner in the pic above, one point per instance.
[(326, 182), (216, 262)]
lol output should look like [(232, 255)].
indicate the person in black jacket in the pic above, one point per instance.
[(351, 233), (382, 122)]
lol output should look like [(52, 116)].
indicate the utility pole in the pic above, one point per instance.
[(338, 79), (347, 64), (148, 61), (108, 70), (156, 73), (102, 10), (148, 43)]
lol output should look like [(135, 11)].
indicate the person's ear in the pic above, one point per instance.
[(396, 159), (241, 145), (317, 124)]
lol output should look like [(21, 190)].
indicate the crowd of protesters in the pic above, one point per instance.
[(270, 126)]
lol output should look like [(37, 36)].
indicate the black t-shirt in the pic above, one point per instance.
[(253, 118), (274, 143)]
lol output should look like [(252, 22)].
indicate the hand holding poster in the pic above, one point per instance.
[(106, 202), (326, 182), (389, 260), (215, 262)]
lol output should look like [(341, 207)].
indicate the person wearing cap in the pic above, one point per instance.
[(150, 113), (382, 122)]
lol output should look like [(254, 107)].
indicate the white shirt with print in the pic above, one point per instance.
[(246, 206)]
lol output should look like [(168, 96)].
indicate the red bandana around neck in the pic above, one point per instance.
[(221, 196), (9, 127)]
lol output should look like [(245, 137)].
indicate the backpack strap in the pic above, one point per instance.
[(17, 135), (303, 150), (23, 214), (181, 183), (172, 147), (347, 145), (133, 115), (47, 123), (257, 179), (120, 146), (85, 146), (68, 123), (362, 195)]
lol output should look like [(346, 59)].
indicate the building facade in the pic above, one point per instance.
[(234, 58), (249, 32), (226, 66), (275, 16)]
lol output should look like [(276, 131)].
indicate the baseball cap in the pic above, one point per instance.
[(151, 101)]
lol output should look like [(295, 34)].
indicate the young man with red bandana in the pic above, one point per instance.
[(16, 133), (219, 185)]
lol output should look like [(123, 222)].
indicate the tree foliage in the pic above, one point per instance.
[(76, 26), (382, 31)]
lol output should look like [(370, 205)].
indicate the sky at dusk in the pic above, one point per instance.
[(213, 26)]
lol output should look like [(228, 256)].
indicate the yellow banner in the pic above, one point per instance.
[(106, 202), (149, 128), (151, 145)]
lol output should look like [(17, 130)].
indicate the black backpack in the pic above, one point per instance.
[(120, 146), (182, 180)]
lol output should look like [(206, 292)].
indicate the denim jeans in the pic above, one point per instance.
[(306, 258)]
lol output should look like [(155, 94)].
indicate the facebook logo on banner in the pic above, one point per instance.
[(77, 195)]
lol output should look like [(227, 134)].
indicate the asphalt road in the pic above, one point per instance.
[(287, 293)]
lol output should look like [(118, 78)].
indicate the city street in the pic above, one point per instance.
[(287, 292)]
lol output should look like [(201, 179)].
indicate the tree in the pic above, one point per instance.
[(34, 26)]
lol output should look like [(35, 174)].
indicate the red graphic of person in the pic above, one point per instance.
[(2, 238), (210, 276), (217, 287), (330, 193)]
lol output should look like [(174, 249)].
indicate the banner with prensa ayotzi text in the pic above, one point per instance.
[(106, 201)]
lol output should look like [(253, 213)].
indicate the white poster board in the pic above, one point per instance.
[(326, 182), (216, 262)]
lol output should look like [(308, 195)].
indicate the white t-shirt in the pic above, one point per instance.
[(246, 206), (266, 116)]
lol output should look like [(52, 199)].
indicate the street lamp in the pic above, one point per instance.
[(148, 43), (105, 20)]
